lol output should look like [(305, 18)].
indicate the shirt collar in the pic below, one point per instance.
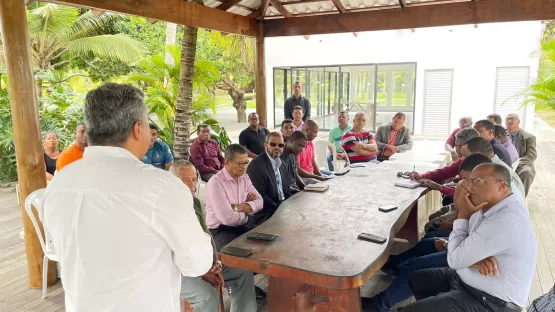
[(111, 151), (201, 142), (495, 159), (508, 201), (226, 174), (278, 160)]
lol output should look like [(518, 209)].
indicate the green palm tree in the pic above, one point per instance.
[(160, 80), (542, 91), (59, 34)]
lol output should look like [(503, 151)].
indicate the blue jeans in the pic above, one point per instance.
[(422, 256), (330, 161)]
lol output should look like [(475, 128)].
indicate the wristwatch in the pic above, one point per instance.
[(235, 208)]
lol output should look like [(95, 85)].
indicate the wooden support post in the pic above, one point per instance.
[(260, 76), (26, 127)]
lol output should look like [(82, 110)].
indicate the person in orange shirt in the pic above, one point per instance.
[(75, 151)]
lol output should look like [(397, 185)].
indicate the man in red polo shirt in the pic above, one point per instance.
[(206, 154), (307, 167), (464, 122)]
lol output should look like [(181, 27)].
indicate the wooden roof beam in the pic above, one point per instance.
[(227, 4), (175, 11), (261, 12), (281, 8), (444, 14), (339, 6)]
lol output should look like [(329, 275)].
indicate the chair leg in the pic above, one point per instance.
[(44, 275)]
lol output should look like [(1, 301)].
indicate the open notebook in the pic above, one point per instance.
[(406, 183)]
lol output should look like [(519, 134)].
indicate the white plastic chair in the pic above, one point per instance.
[(35, 199), (321, 149)]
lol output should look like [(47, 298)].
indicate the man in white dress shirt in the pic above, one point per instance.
[(124, 232), (491, 252)]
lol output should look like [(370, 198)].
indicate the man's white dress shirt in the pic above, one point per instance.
[(124, 232), (504, 232)]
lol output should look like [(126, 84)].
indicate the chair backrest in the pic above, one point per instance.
[(321, 153), (35, 199)]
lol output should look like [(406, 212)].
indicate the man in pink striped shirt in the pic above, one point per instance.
[(231, 200)]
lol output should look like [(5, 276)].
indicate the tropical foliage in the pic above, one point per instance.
[(160, 80), (542, 91)]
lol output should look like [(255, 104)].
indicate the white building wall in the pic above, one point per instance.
[(473, 53)]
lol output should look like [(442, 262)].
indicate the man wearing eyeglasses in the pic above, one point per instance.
[(492, 229), (231, 199), (269, 175)]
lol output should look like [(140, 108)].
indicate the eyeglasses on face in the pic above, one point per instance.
[(242, 164), (274, 144), (481, 181)]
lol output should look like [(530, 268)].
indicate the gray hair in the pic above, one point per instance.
[(466, 134), (111, 111), (466, 118), (512, 115), (234, 149), (273, 134), (360, 113), (177, 165)]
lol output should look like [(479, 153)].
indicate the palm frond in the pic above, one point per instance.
[(112, 47), (51, 19), (88, 24)]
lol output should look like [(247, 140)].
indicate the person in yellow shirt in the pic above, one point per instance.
[(75, 151)]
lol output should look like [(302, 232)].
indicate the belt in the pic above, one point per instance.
[(485, 297)]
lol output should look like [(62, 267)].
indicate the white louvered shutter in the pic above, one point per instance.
[(438, 86), (510, 82)]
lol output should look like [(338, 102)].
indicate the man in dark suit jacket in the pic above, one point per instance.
[(525, 144), (269, 175), (393, 138)]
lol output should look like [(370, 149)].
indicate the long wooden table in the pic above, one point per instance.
[(317, 263)]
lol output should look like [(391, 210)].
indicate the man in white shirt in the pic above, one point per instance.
[(491, 252), (123, 231)]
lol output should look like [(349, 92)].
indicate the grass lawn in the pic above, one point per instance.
[(548, 115), (225, 100)]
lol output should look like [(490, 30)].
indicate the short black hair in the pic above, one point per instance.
[(500, 131), (479, 145), (286, 121), (202, 126), (486, 124), (400, 114), (472, 161), (253, 113), (234, 149), (496, 117), (153, 126), (297, 136)]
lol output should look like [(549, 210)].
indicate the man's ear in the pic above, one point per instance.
[(137, 130)]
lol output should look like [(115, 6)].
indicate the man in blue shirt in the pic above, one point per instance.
[(158, 154)]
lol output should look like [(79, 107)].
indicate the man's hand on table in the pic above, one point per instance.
[(319, 178), (487, 266), (392, 148), (431, 184), (440, 244), (415, 176)]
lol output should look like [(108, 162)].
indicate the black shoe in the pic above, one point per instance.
[(368, 304), (260, 294)]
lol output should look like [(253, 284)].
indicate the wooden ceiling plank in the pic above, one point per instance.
[(224, 6), (444, 14), (245, 7), (175, 11), (340, 6), (280, 8)]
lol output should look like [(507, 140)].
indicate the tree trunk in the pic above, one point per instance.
[(184, 106), (239, 103)]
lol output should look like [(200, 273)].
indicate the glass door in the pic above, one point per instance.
[(395, 93)]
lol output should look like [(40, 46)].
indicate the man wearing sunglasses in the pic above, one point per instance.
[(491, 254), (269, 175)]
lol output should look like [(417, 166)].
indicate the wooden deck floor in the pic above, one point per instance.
[(15, 294)]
